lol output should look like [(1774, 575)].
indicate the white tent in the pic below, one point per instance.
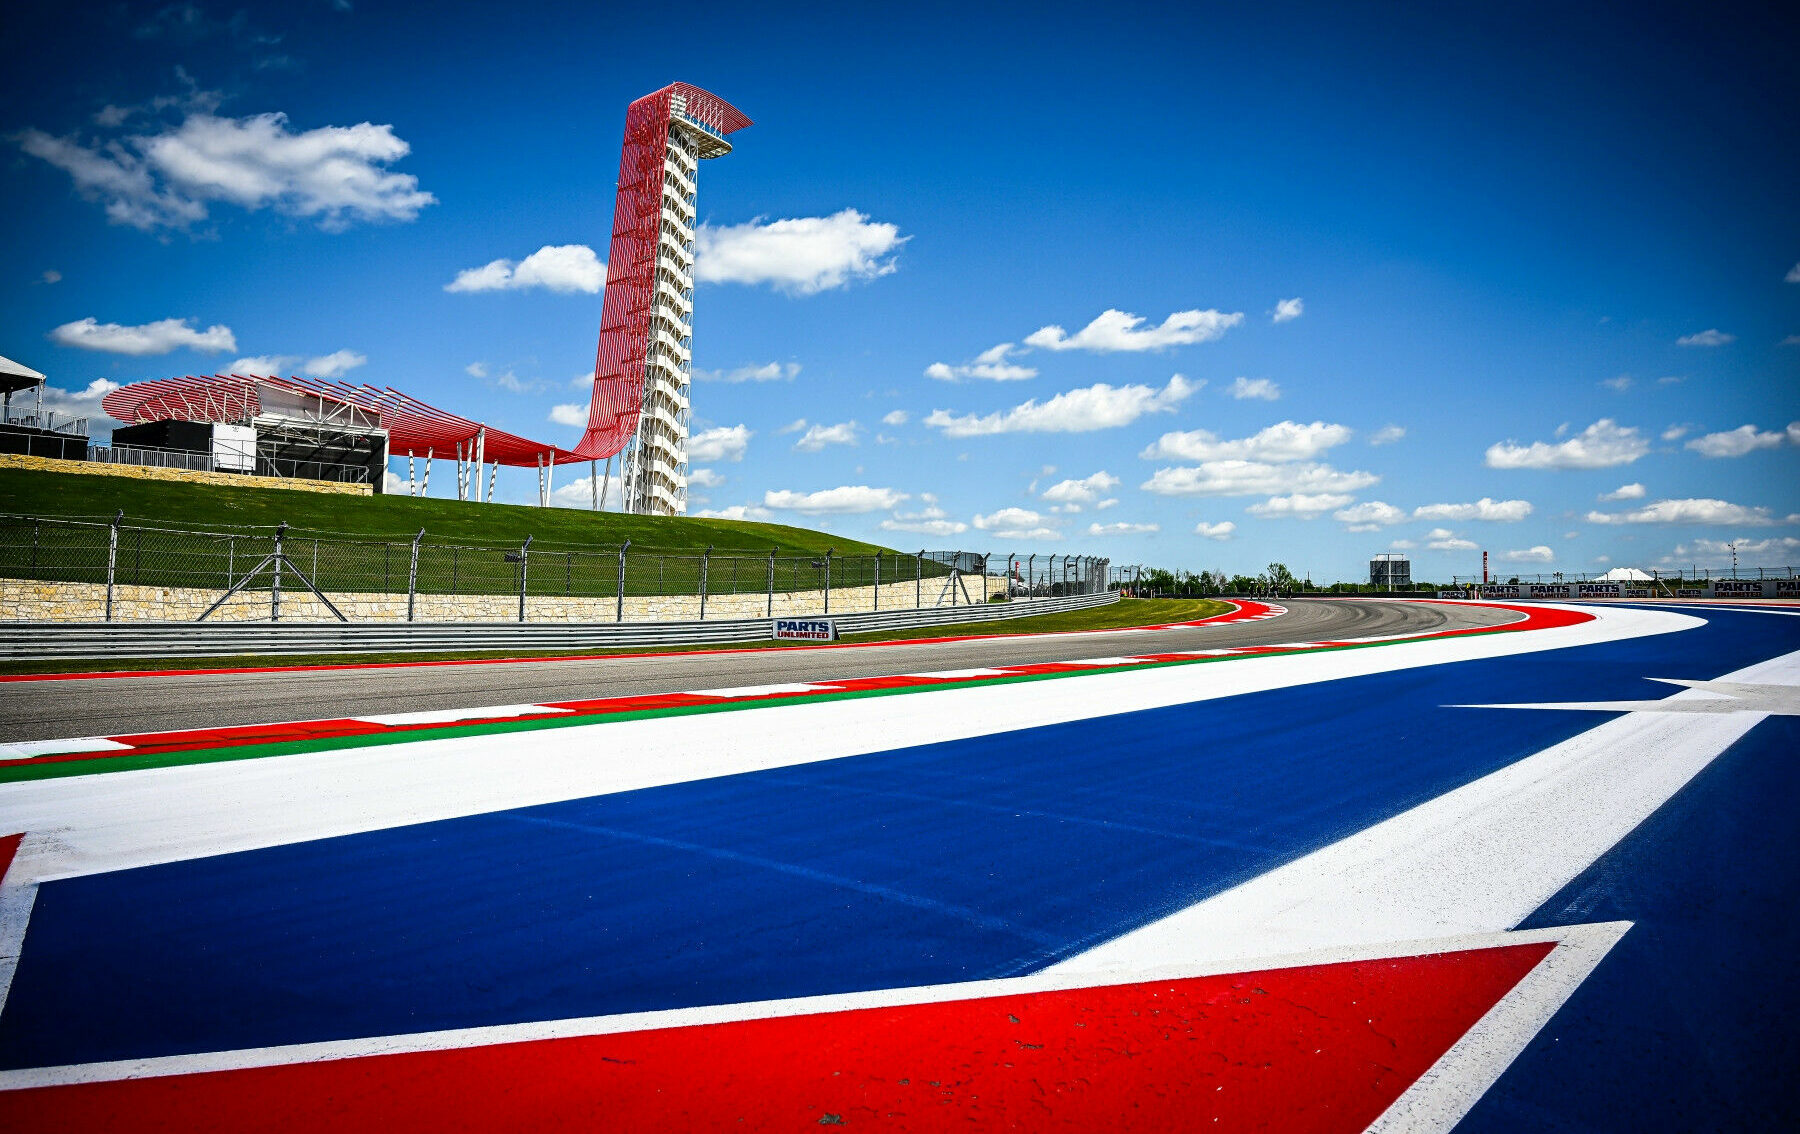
[(1624, 575)]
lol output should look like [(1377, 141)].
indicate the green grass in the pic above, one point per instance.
[(1124, 613), (220, 507)]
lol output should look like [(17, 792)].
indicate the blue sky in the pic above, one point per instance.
[(1426, 277)]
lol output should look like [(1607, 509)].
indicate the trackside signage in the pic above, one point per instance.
[(1599, 590), (806, 629)]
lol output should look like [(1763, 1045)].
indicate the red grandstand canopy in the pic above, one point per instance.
[(413, 427)]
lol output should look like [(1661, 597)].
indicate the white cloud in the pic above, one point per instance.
[(1709, 337), (704, 478), (1077, 411), (1538, 554), (819, 436), (476, 370), (1256, 478), (1283, 441), (1675, 433), (332, 365), (144, 339), (1402, 544), (1625, 492), (1287, 310), (1387, 435), (1259, 388), (564, 268), (1791, 340), (847, 498), (800, 255), (570, 413), (1504, 511), (1016, 523), (930, 520), (79, 403), (1084, 491), (1370, 514), (1737, 442), (735, 512), (767, 372), (1114, 330), (1220, 531), (1301, 505), (166, 180), (725, 443), (1441, 540), (1122, 528), (50, 276), (1720, 550), (1691, 511), (580, 492), (1601, 445), (895, 417), (793, 426), (990, 364), (1620, 384), (1793, 275)]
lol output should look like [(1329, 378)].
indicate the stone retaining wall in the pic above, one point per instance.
[(35, 601), (145, 472)]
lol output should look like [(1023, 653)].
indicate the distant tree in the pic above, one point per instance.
[(1280, 577)]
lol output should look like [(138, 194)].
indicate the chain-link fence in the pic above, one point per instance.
[(73, 570)]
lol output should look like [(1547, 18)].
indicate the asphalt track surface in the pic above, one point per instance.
[(37, 710)]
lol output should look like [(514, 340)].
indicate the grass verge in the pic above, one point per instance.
[(1124, 613)]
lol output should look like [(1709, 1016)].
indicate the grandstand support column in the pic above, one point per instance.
[(425, 489), (493, 476), (606, 483), (412, 475), (480, 457), (594, 483), (549, 475)]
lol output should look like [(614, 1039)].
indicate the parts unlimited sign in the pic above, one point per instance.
[(806, 629)]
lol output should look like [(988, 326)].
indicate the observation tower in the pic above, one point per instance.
[(642, 371)]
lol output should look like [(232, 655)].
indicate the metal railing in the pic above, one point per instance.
[(1676, 578), (152, 457), (57, 569)]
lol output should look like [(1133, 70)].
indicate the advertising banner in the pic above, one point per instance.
[(1737, 588), (1549, 590), (806, 629), (1452, 594), (1500, 590), (1598, 590), (1787, 588), (1637, 592), (1690, 592)]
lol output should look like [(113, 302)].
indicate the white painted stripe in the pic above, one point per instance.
[(22, 749), (961, 674), (117, 820), (754, 1010), (1478, 859), (1099, 662), (759, 690), (1450, 1088), (448, 716)]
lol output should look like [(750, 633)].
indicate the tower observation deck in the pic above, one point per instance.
[(643, 368)]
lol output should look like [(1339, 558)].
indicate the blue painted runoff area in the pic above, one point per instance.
[(979, 858)]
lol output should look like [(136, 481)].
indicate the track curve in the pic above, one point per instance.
[(37, 710)]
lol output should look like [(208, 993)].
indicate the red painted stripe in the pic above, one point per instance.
[(1238, 615), (1323, 1047)]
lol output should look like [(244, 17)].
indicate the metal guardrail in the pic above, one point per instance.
[(37, 641)]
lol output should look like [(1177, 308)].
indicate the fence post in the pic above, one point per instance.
[(705, 562), (878, 580), (275, 592), (230, 560), (524, 565), (828, 580), (412, 576), (771, 611), (112, 558), (619, 613), (919, 580)]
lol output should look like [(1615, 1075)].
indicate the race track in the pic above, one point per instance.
[(35, 710), (1360, 866)]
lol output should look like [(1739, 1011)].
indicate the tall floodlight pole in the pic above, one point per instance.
[(640, 407)]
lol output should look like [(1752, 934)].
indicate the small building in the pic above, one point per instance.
[(1390, 569), (26, 427)]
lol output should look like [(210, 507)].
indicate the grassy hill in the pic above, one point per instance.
[(219, 507)]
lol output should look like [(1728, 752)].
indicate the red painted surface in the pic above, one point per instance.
[(1317, 1048), (9, 846)]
